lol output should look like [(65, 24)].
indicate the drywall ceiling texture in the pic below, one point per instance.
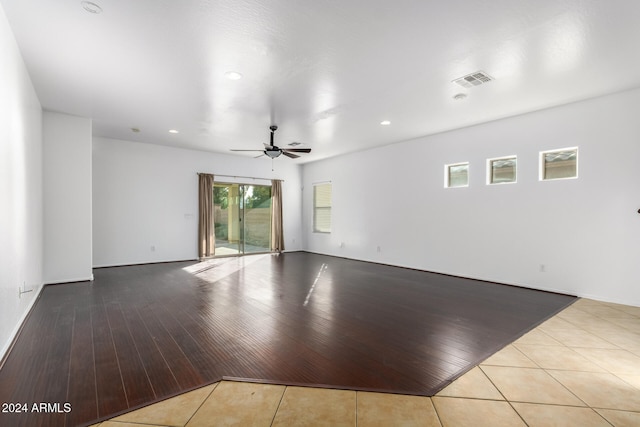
[(21, 231), (145, 199), (583, 231), (327, 72)]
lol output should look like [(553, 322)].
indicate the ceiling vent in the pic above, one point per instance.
[(473, 79)]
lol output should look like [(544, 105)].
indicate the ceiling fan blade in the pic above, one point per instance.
[(261, 155), (291, 155), (246, 150), (297, 150)]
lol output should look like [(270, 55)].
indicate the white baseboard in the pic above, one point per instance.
[(80, 279), (14, 333)]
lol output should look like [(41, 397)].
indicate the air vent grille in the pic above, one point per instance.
[(473, 79)]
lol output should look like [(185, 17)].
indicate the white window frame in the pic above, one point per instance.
[(315, 208), (490, 169), (541, 167), (447, 175)]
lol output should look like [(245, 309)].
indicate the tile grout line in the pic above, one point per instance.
[(203, 402), (278, 407), (598, 335), (539, 367), (435, 409), (604, 339), (564, 370), (502, 394), (546, 371), (357, 393)]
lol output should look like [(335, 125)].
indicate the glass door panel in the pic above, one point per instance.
[(257, 218), (226, 218), (242, 218)]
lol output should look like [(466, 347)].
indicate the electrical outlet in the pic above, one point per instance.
[(543, 268), (153, 248), (379, 250), (342, 245)]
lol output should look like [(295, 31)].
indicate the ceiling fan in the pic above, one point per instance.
[(274, 151)]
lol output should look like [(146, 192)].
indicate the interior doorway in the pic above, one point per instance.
[(242, 218)]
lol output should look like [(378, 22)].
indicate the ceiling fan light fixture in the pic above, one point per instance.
[(272, 153)]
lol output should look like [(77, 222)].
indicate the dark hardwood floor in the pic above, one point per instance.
[(139, 334)]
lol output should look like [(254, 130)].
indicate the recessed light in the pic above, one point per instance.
[(173, 131), (233, 75), (135, 130), (459, 96), (91, 7), (385, 123)]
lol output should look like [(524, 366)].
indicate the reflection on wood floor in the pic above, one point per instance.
[(138, 334)]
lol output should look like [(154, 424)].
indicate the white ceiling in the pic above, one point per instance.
[(327, 72)]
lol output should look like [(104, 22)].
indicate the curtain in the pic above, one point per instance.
[(277, 236), (206, 234)]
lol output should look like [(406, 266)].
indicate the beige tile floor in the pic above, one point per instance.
[(580, 368)]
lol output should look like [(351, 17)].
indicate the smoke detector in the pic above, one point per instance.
[(473, 79)]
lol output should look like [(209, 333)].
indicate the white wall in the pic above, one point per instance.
[(20, 188), (586, 231), (146, 195), (67, 198)]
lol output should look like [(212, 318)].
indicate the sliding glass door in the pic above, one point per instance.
[(256, 218), (242, 218)]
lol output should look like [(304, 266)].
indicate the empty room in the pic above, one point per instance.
[(356, 213)]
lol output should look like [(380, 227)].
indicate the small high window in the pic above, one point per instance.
[(456, 175), (559, 164), (502, 170)]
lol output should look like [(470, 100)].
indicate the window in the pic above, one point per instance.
[(559, 164), (456, 175), (502, 170), (322, 208)]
